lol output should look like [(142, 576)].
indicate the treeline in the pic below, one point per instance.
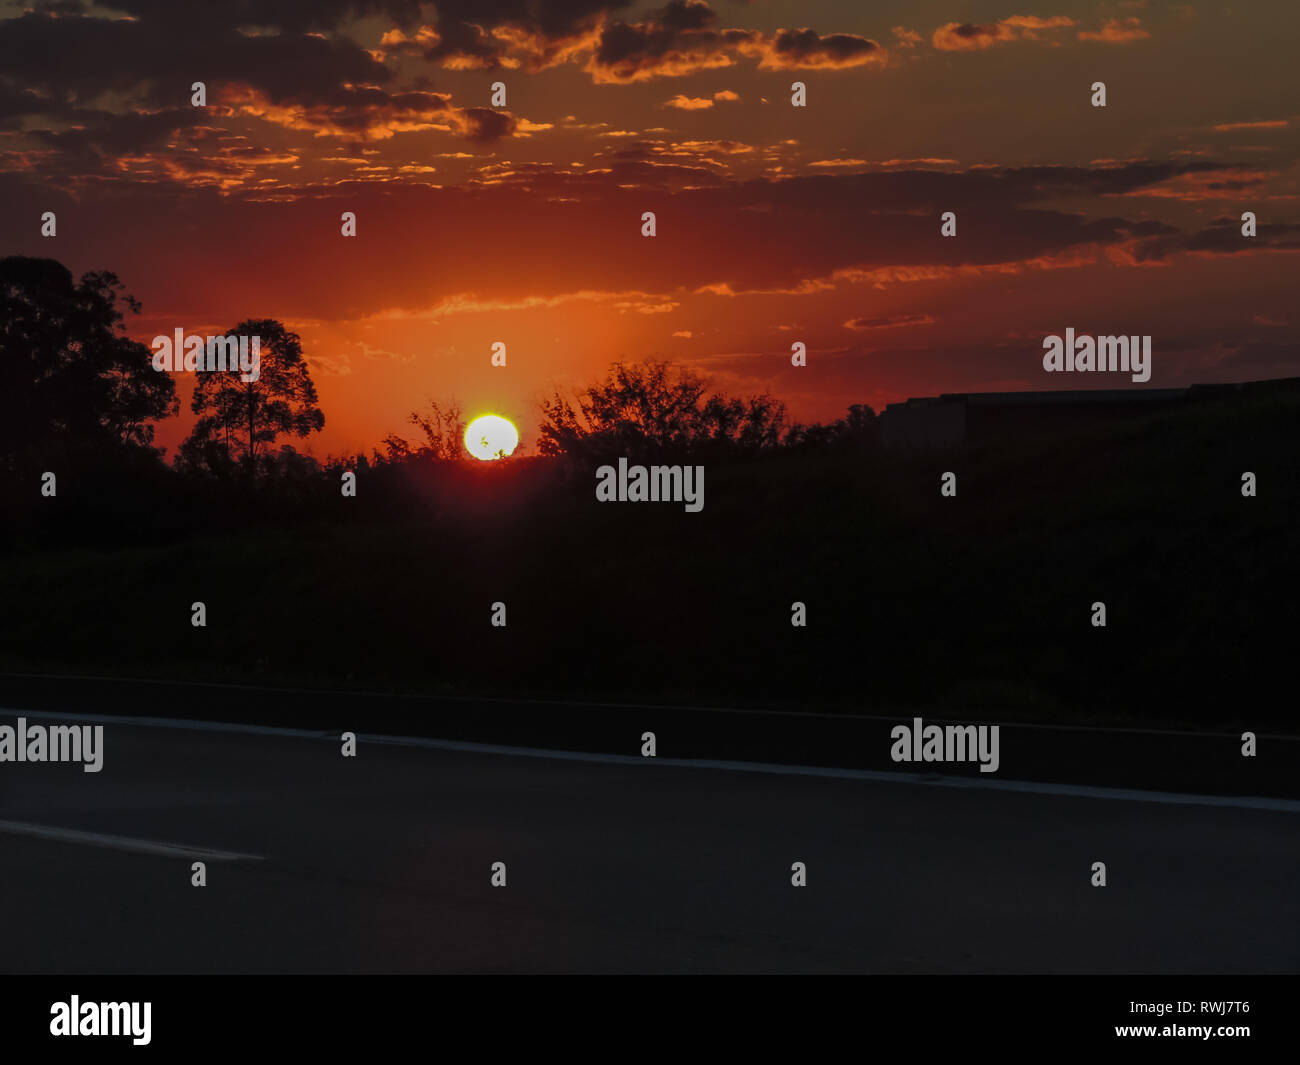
[(80, 402)]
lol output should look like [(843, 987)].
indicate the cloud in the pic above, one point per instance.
[(121, 90), (1116, 31), (373, 114), (569, 232), (1231, 127), (684, 38), (295, 16), (805, 49), (971, 37), (147, 63), (889, 321), (700, 103), (1220, 239), (681, 39), (1211, 183), (519, 43)]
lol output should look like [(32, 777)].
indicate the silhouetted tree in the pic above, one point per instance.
[(69, 376), (443, 427), (237, 417), (656, 408), (856, 429)]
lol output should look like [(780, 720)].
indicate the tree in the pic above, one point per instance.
[(858, 429), (238, 417), (654, 408), (443, 427), (69, 376)]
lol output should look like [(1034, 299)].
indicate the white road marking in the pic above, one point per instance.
[(121, 843), (1032, 787)]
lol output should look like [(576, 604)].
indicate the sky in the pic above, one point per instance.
[(522, 223)]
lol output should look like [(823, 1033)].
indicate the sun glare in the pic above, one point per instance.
[(491, 437)]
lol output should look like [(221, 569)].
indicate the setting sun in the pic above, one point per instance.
[(491, 437)]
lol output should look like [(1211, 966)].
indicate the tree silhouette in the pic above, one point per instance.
[(443, 426), (69, 376), (237, 417), (857, 429), (654, 408)]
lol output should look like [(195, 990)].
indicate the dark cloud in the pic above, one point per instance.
[(467, 43), (677, 40), (683, 37), (553, 18), (147, 59), (1224, 239), (485, 124), (463, 34), (795, 49), (687, 15), (138, 77), (293, 15)]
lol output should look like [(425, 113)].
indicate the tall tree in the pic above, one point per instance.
[(69, 376), (239, 419)]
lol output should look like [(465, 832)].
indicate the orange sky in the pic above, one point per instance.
[(522, 224)]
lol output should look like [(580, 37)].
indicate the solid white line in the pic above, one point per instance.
[(121, 843), (1032, 787), (882, 776)]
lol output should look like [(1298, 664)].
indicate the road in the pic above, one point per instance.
[(382, 863)]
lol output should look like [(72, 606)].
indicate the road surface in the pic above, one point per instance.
[(383, 863)]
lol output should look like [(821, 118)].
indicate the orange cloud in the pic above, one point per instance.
[(511, 46), (970, 37), (1116, 31), (371, 113), (889, 321), (700, 103), (1229, 127)]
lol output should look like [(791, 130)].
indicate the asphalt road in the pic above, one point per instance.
[(383, 863)]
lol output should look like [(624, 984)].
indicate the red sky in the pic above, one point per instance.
[(522, 223)]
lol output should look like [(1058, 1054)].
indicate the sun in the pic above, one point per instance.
[(491, 437)]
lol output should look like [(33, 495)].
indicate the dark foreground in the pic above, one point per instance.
[(383, 863)]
